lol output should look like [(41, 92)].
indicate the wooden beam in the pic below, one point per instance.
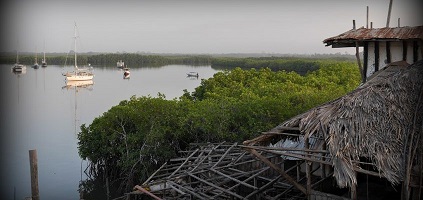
[(215, 186), (415, 51), (278, 169), (366, 58), (404, 50), (357, 55), (263, 187), (152, 175), (388, 52), (376, 56), (186, 160), (308, 169), (234, 179), (224, 155)]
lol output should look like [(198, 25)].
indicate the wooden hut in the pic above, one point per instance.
[(376, 130), (382, 46)]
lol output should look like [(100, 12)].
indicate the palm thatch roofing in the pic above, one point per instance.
[(381, 121)]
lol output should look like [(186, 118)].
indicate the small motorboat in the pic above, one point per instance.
[(192, 74), (126, 73)]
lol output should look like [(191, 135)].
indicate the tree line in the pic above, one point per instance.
[(110, 59), (132, 139), (301, 65)]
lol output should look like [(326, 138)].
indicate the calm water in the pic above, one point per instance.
[(40, 113)]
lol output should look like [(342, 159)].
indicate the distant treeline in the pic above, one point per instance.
[(299, 64), (109, 60), (139, 60)]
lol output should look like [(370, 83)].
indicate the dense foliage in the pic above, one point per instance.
[(134, 138), (297, 64)]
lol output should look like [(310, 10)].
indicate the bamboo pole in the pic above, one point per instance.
[(33, 163), (278, 169)]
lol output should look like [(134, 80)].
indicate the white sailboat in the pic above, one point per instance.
[(36, 66), (44, 61), (79, 74), (18, 68)]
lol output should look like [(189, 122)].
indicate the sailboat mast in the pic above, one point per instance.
[(76, 66), (36, 55), (17, 53), (44, 51)]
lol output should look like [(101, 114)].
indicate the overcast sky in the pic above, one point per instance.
[(195, 26)]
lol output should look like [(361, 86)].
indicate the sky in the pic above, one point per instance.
[(192, 26)]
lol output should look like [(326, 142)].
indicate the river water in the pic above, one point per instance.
[(40, 112)]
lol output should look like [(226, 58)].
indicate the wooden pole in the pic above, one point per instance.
[(367, 18), (308, 169), (357, 55), (33, 164), (389, 14)]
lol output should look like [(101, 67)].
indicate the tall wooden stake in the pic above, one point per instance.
[(389, 14), (367, 18), (357, 55), (33, 164)]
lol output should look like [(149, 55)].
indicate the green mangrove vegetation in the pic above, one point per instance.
[(132, 139)]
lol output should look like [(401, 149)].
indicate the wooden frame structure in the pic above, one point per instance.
[(230, 171)]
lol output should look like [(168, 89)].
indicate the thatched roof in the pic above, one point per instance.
[(381, 121)]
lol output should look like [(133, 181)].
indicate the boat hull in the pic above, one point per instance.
[(79, 78)]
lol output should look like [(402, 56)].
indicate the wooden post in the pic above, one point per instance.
[(367, 18), (33, 164), (388, 52), (308, 169), (389, 14), (357, 55), (399, 25), (353, 191)]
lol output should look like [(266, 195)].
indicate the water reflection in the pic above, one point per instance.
[(77, 85), (18, 76)]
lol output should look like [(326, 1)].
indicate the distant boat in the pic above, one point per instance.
[(44, 61), (192, 74), (18, 68), (126, 73), (120, 64), (36, 66), (78, 74)]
